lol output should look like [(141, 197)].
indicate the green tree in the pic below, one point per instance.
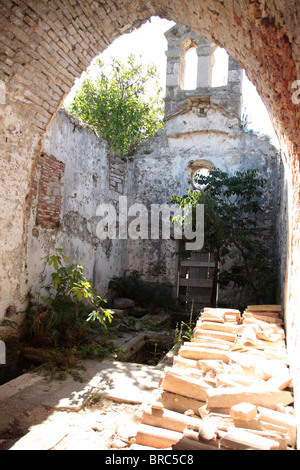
[(232, 206), (117, 104)]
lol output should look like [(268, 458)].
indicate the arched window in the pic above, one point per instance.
[(188, 64), (219, 68), (197, 173), (190, 71), (196, 168)]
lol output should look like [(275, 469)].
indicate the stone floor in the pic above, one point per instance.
[(38, 414), (46, 411)]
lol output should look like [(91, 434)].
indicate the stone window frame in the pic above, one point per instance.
[(186, 46), (203, 48), (194, 167)]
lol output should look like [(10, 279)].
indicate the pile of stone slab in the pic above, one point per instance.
[(228, 388)]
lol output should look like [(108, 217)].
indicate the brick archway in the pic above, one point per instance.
[(45, 45)]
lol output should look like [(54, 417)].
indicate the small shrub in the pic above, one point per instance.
[(71, 313), (184, 332)]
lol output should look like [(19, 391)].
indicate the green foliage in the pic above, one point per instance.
[(70, 281), (117, 106), (184, 332), (63, 317), (148, 295), (232, 207)]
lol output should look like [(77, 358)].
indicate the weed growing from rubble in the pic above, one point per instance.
[(71, 313)]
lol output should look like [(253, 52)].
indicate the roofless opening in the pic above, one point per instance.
[(153, 51), (190, 72), (219, 75)]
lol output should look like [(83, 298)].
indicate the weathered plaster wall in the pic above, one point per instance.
[(164, 166), (90, 178), (75, 174), (45, 45), (157, 176), (284, 210), (202, 129)]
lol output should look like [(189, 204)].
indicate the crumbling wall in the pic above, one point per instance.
[(75, 174), (157, 177), (165, 166)]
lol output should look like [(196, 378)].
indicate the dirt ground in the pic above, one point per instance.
[(101, 425)]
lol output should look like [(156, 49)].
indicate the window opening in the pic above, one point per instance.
[(197, 173), (190, 71), (220, 67)]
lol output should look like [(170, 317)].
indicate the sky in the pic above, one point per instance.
[(149, 43)]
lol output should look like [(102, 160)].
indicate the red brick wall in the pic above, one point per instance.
[(116, 175), (49, 192)]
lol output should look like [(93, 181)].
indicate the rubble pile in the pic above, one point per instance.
[(228, 388)]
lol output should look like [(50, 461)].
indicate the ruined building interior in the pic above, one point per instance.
[(202, 130), (59, 171)]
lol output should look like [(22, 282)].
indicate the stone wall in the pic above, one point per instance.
[(44, 46), (202, 130), (74, 176), (165, 166)]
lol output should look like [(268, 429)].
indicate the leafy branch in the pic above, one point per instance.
[(232, 206), (71, 281)]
